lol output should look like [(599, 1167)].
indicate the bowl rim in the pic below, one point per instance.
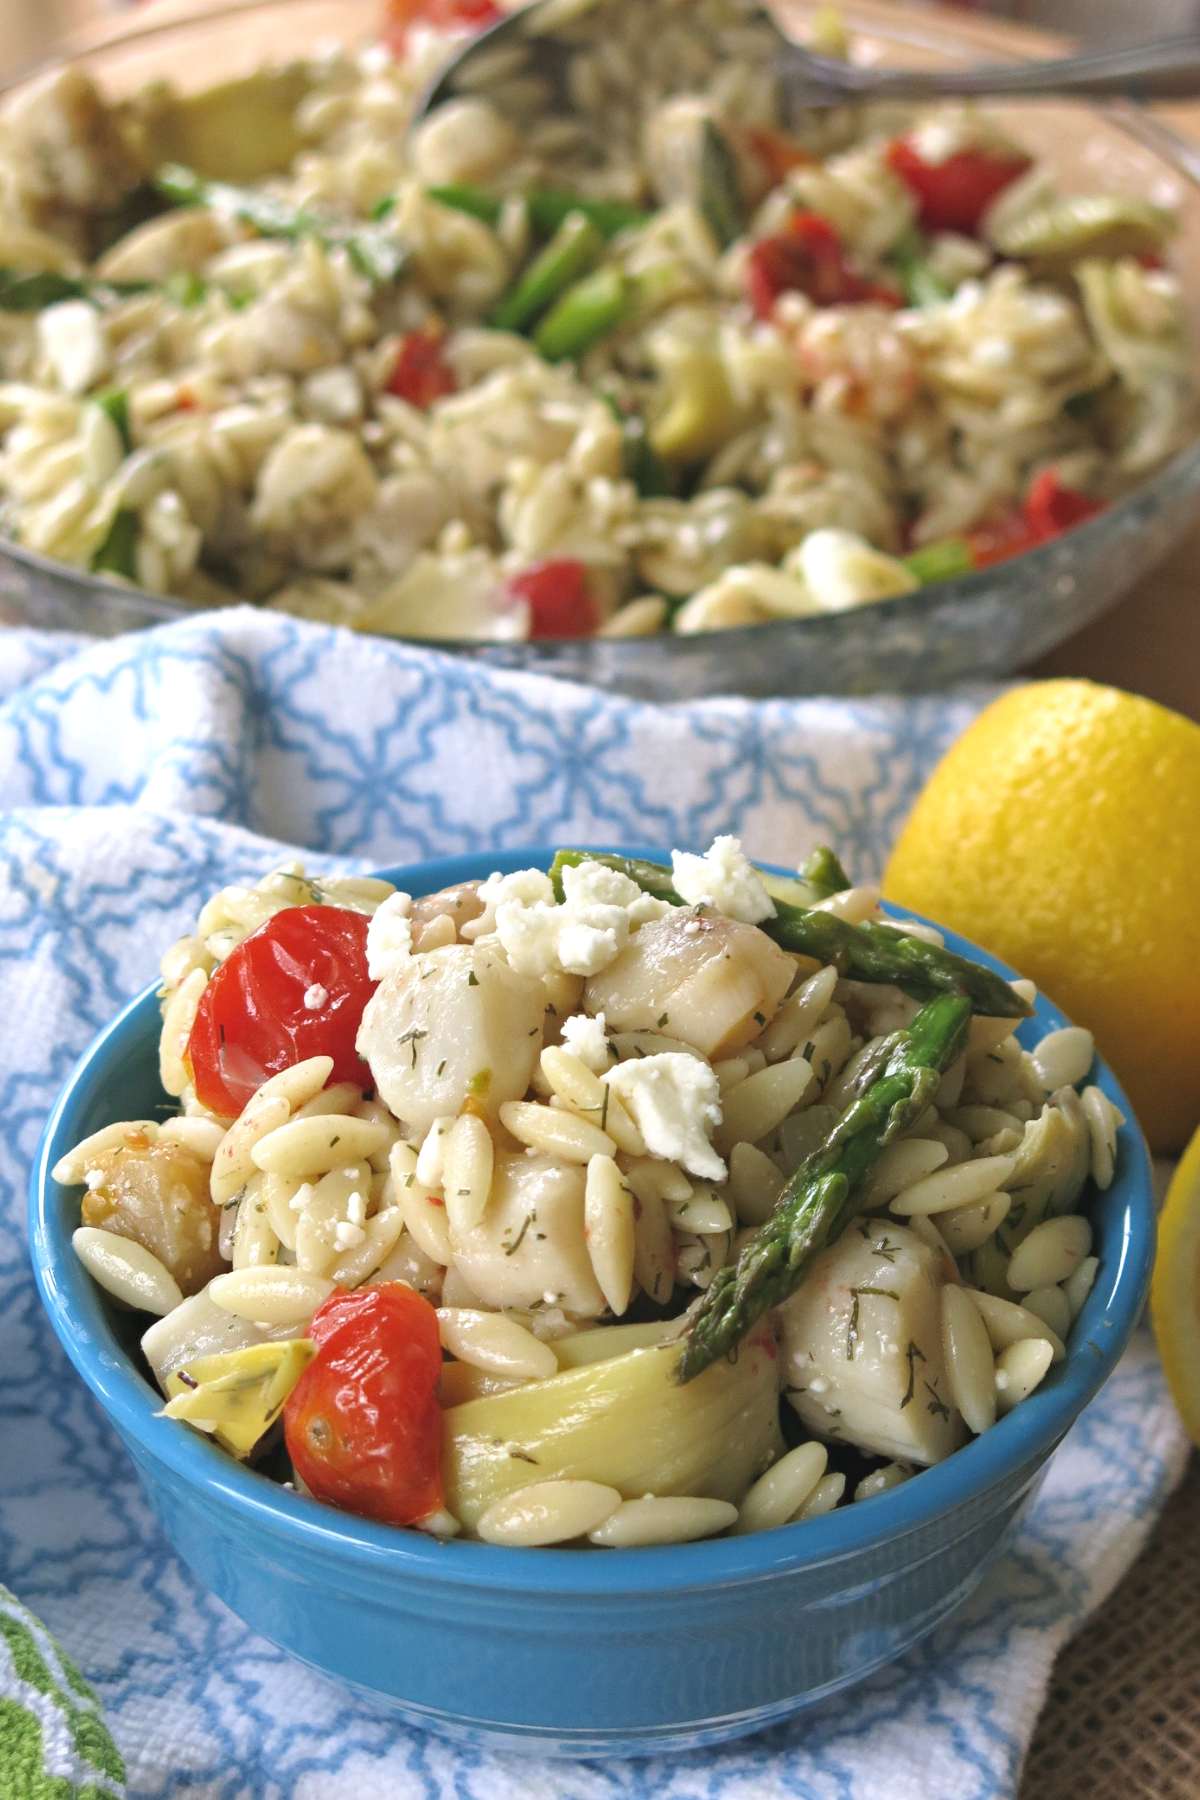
[(1022, 1440), (1183, 467)]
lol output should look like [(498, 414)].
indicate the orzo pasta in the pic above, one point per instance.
[(391, 1214)]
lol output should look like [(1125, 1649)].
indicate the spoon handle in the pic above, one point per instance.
[(1166, 69)]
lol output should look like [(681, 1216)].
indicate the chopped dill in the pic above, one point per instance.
[(913, 1355)]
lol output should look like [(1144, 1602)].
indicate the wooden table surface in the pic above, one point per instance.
[(1124, 1745)]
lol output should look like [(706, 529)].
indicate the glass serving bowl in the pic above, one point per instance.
[(984, 624)]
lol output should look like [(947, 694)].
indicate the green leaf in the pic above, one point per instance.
[(115, 403), (375, 253), (185, 288), (461, 197), (31, 293), (720, 194), (922, 286), (117, 555)]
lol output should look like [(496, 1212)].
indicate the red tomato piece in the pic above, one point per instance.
[(954, 194), (777, 152), (420, 373), (1052, 508), (556, 592), (808, 257), (439, 15), (1009, 535), (254, 1018), (362, 1425), (1049, 509)]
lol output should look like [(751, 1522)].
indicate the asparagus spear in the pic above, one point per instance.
[(585, 313), (824, 874), (941, 561), (821, 1196), (547, 207), (376, 253), (863, 952), (570, 253)]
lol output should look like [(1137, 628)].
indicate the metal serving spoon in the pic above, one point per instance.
[(1166, 69)]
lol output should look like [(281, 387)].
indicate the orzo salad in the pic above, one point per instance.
[(620, 1203), (654, 362)]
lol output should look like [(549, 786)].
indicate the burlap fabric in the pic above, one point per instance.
[(1122, 1721)]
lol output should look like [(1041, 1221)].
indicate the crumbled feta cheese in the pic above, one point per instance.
[(840, 569), (723, 878), (937, 138), (315, 997), (594, 884), (93, 1179), (675, 1102), (431, 1157), (600, 907), (347, 1236), (356, 1208), (389, 936), (994, 353), (333, 395), (584, 1037), (72, 340)]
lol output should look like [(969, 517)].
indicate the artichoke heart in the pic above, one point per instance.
[(625, 1422), (237, 1395), (1048, 1176), (1101, 225), (698, 411), (237, 130)]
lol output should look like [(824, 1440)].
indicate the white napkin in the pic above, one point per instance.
[(142, 774)]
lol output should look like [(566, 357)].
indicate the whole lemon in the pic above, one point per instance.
[(1062, 832)]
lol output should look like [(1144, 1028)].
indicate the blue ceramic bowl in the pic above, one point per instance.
[(586, 1653)]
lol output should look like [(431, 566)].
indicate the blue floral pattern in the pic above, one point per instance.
[(139, 775)]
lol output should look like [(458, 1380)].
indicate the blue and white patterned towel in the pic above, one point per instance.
[(140, 775)]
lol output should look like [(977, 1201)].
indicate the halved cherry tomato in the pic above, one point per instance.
[(255, 1016), (808, 257), (1049, 509), (777, 152), (954, 194), (362, 1425), (420, 373), (1009, 535), (1052, 508), (439, 15), (556, 592)]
